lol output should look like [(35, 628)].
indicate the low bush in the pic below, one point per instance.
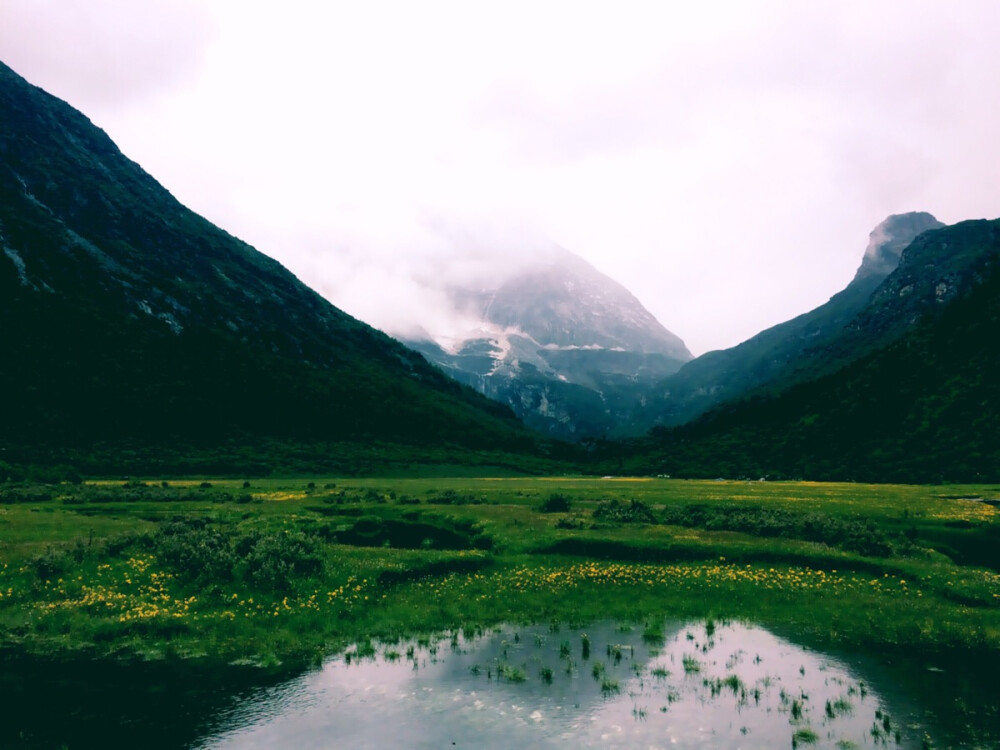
[(555, 503), (208, 553), (615, 511), (863, 537)]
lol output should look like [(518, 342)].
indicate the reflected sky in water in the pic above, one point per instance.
[(662, 685)]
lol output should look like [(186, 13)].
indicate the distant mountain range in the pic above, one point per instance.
[(137, 337), (570, 350), (891, 379), (130, 328)]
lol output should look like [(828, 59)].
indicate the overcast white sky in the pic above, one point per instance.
[(725, 161)]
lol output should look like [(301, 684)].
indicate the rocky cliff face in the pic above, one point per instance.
[(887, 242), (567, 348)]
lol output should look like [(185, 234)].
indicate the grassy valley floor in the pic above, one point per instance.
[(271, 571)]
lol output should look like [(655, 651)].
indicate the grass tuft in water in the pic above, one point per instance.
[(804, 736)]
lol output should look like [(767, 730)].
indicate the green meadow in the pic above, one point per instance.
[(269, 571)]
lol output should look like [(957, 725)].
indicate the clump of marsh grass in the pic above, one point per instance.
[(691, 664)]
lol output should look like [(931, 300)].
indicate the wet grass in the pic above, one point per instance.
[(267, 570)]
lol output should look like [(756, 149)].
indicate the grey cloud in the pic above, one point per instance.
[(106, 53)]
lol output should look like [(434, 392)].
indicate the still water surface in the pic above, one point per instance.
[(665, 684), (685, 685)]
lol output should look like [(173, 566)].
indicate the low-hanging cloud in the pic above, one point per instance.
[(409, 290), (725, 161), (109, 53)]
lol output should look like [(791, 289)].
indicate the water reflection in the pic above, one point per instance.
[(704, 684), (82, 703)]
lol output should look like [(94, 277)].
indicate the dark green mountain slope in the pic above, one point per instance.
[(796, 350), (922, 408), (127, 320)]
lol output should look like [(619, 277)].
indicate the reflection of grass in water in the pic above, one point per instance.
[(660, 673), (615, 652), (609, 686), (838, 707), (510, 673), (597, 670), (653, 634), (885, 731), (564, 650), (585, 646), (546, 675), (691, 664), (804, 736), (365, 650), (796, 709), (733, 682)]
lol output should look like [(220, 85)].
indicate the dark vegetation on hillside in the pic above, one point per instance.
[(138, 338), (922, 409), (803, 348), (130, 328)]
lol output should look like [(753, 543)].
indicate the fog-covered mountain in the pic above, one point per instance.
[(570, 350)]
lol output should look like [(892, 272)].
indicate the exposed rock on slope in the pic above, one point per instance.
[(568, 349)]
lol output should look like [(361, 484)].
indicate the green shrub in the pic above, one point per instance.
[(862, 537), (555, 503), (195, 550), (615, 511), (274, 560), (50, 564)]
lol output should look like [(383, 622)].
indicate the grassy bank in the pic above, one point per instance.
[(275, 570)]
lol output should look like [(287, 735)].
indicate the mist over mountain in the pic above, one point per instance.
[(907, 393), (797, 349), (131, 326), (566, 347)]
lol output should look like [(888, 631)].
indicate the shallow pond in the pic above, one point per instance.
[(703, 684), (663, 684)]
